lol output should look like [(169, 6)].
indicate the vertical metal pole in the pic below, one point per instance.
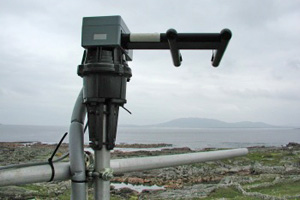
[(102, 162)]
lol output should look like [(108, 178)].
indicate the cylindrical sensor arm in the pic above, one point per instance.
[(185, 41)]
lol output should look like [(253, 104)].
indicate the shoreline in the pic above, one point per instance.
[(147, 145)]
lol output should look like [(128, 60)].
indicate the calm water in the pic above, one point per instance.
[(193, 138)]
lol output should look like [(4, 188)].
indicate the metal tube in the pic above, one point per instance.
[(102, 162), (102, 187), (225, 36), (34, 174), (146, 163), (172, 41), (62, 171), (77, 162), (79, 110), (184, 41), (144, 37), (165, 45), (76, 152)]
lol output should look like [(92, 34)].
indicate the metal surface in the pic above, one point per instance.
[(155, 162), (42, 173), (105, 75), (104, 31), (144, 37), (225, 36), (172, 41), (34, 174), (186, 41), (77, 162), (102, 162)]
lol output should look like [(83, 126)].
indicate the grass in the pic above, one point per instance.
[(280, 189), (228, 193), (258, 179), (42, 191)]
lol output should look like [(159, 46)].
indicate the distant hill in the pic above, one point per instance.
[(210, 123)]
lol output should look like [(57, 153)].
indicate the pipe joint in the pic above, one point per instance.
[(106, 174)]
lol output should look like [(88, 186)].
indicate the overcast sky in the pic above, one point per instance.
[(257, 80)]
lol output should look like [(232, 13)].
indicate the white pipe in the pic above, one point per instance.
[(34, 174), (154, 162), (144, 37), (43, 173), (77, 161)]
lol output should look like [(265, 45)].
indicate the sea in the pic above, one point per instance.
[(194, 138)]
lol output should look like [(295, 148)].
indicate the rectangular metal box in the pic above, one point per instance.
[(104, 32)]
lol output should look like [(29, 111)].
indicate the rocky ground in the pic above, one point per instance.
[(265, 173)]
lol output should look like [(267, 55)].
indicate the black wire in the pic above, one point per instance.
[(126, 110), (53, 154), (86, 126), (43, 163), (83, 57), (33, 164)]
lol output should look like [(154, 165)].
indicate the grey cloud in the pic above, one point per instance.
[(40, 50)]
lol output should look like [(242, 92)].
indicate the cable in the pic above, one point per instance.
[(40, 163), (85, 127), (34, 164), (53, 154)]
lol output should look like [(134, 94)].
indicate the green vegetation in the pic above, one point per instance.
[(289, 188), (228, 193)]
